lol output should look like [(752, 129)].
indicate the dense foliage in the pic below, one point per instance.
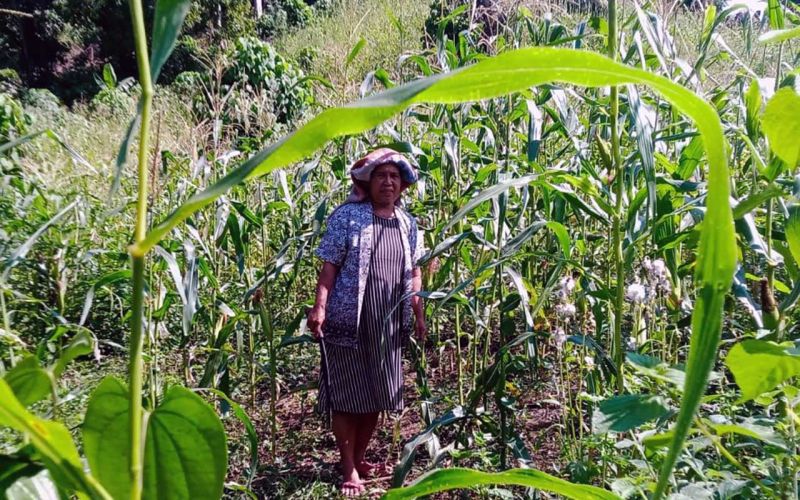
[(612, 239)]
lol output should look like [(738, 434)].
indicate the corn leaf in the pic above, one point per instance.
[(167, 21), (459, 478)]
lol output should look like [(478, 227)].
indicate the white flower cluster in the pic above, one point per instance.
[(657, 282), (560, 336), (635, 293), (657, 275), (565, 309)]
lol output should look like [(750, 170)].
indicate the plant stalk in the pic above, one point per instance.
[(6, 325), (619, 178), (135, 363)]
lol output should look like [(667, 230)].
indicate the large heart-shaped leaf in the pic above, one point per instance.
[(106, 436), (759, 366), (185, 452), (623, 413)]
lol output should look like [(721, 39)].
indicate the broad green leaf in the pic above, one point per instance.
[(185, 452), (29, 381), (459, 478), (777, 36), (759, 366), (186, 455), (106, 436), (792, 231), (781, 122), (655, 368), (626, 412), (760, 432), (80, 345), (51, 440), (514, 71)]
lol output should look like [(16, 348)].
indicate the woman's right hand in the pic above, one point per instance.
[(316, 316)]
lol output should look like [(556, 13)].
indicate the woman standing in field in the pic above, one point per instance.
[(363, 310)]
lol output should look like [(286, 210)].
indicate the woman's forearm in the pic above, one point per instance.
[(327, 277), (416, 300)]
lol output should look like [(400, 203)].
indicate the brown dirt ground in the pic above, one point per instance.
[(305, 465)]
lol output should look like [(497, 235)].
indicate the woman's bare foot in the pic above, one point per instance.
[(351, 483), (366, 469), (352, 488)]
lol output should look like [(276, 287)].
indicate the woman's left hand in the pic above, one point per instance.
[(420, 330)]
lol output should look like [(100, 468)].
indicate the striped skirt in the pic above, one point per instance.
[(370, 379)]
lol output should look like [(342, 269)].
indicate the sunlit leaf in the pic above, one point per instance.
[(626, 412), (759, 366), (29, 381), (185, 453), (781, 122), (51, 440), (458, 478), (777, 36)]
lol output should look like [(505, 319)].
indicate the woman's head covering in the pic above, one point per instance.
[(361, 171)]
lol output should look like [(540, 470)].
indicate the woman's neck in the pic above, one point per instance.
[(383, 210)]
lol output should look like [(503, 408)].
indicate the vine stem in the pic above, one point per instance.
[(135, 363), (619, 178), (730, 458)]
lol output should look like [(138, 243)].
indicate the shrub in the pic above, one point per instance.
[(41, 99), (260, 68), (14, 121), (10, 83)]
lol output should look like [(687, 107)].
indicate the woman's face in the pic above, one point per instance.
[(385, 184)]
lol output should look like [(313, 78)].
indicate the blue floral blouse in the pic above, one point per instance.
[(347, 243)]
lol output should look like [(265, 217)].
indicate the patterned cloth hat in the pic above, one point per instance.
[(361, 171)]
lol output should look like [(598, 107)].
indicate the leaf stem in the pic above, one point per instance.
[(730, 458), (135, 363)]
